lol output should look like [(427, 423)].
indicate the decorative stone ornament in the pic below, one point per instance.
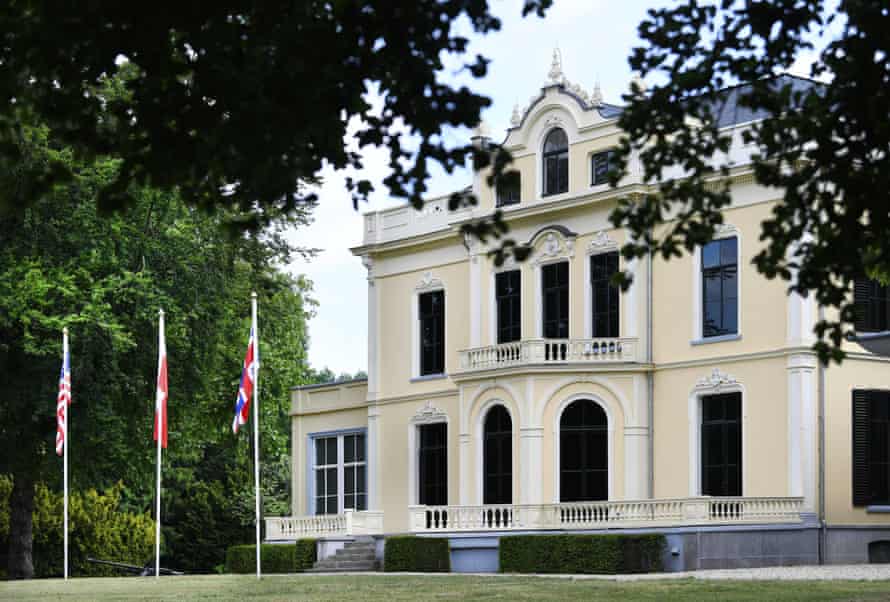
[(555, 74), (553, 121), (429, 414), (716, 380), (596, 97), (601, 242), (554, 247), (725, 230), (516, 117), (428, 281)]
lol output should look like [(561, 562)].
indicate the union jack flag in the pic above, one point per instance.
[(248, 378), (63, 401)]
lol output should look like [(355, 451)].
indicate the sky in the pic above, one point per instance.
[(594, 37)]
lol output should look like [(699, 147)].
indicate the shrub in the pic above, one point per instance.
[(424, 554), (608, 554), (275, 558)]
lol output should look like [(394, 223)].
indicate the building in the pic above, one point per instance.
[(536, 397)]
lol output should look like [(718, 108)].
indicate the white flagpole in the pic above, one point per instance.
[(256, 427), (65, 450), (158, 421)]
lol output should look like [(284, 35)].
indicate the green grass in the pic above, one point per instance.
[(403, 587)]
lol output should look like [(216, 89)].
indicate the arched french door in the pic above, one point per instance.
[(497, 457), (583, 452)]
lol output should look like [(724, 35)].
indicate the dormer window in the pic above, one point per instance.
[(556, 162), (509, 186)]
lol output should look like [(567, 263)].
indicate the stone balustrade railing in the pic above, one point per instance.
[(286, 528), (607, 515), (549, 351)]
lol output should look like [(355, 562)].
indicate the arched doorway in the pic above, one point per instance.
[(583, 452), (497, 457)]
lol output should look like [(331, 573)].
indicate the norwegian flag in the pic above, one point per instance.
[(63, 401), (248, 378), (161, 394)]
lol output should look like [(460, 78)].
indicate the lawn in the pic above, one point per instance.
[(445, 587)]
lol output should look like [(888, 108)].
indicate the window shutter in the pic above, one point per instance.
[(861, 417), (862, 303)]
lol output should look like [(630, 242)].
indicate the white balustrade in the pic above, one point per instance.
[(606, 515), (549, 351), (324, 525)]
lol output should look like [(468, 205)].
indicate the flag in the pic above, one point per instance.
[(245, 389), (160, 429), (63, 401)]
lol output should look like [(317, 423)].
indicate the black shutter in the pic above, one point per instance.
[(862, 303), (861, 420)]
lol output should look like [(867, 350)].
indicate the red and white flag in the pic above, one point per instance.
[(160, 429), (63, 400)]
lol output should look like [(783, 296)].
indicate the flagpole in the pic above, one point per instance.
[(158, 422), (65, 452), (256, 427)]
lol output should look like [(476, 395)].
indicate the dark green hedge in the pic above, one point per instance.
[(608, 554), (276, 558), (422, 554)]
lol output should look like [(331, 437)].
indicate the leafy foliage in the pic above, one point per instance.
[(97, 528), (824, 147), (605, 554), (275, 558), (233, 104), (409, 553)]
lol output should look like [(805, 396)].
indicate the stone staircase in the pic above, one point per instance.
[(358, 555)]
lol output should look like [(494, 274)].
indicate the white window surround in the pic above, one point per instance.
[(610, 443), (509, 265), (722, 231), (480, 448), (601, 243), (428, 284), (716, 383), (426, 414), (310, 465), (548, 120)]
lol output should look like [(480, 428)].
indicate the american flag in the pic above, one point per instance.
[(245, 389), (63, 401)]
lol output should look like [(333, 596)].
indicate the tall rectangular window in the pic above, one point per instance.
[(509, 189), (555, 296), (721, 444), (432, 332), (340, 473), (509, 305), (600, 166), (872, 302), (433, 464), (326, 500), (871, 447), (605, 298), (720, 287)]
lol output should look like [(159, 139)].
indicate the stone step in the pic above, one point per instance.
[(346, 565)]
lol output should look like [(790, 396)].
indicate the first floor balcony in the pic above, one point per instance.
[(529, 352), (565, 516)]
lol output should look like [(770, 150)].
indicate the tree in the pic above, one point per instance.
[(824, 147), (234, 104), (63, 264)]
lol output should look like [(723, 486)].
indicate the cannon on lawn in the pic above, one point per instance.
[(142, 571)]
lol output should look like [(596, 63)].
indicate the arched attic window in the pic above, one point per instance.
[(556, 162)]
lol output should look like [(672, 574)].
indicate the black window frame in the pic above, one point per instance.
[(721, 414), (556, 158), (497, 456), (584, 452), (432, 464), (871, 301), (871, 447), (431, 315), (555, 300), (605, 296), (508, 304), (722, 272), (601, 164), (509, 189)]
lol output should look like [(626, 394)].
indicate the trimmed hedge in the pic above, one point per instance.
[(609, 554), (420, 554), (275, 558)]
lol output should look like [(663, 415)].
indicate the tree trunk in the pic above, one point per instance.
[(21, 510)]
